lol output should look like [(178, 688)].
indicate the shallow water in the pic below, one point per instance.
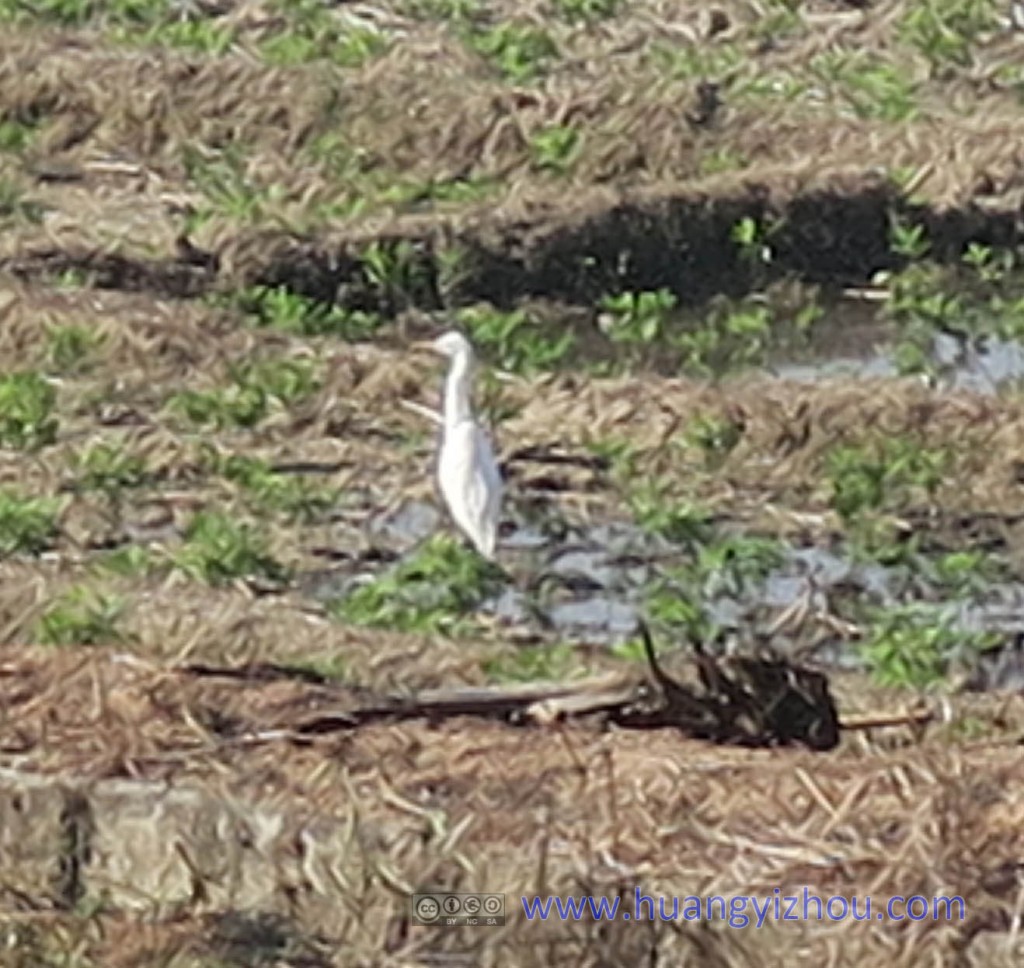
[(853, 344), (593, 589)]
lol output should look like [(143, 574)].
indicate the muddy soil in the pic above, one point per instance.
[(161, 804)]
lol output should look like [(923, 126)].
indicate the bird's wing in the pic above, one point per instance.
[(470, 480)]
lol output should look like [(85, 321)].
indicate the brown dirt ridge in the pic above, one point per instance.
[(163, 800)]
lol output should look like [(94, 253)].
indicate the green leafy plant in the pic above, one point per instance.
[(16, 132), (255, 388), (28, 525), (731, 335), (195, 33), (314, 31), (105, 467), (26, 411), (267, 490), (555, 148), (397, 272), (993, 266), (586, 11), (882, 474), (751, 239), (69, 347), (130, 561), (81, 616), (966, 571), (516, 340), (672, 603), (871, 87), (218, 549), (520, 52), (532, 663), (281, 308), (430, 592), (908, 239), (731, 565), (914, 645), (656, 512), (328, 668), (715, 435), (15, 205), (452, 11), (944, 31), (637, 317), (230, 190)]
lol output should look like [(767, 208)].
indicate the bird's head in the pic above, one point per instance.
[(452, 344)]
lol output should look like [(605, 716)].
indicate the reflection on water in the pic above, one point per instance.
[(848, 344), (593, 585), (594, 588)]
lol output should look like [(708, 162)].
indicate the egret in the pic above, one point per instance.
[(467, 472)]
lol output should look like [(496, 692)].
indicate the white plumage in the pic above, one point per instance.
[(467, 471)]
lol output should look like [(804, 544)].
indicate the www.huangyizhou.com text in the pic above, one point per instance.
[(744, 910)]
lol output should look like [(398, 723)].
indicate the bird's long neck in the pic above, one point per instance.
[(456, 391)]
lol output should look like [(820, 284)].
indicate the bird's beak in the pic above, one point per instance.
[(423, 346)]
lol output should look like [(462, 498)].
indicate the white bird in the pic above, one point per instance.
[(466, 469)]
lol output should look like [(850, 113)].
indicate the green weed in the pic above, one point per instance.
[(730, 565), (659, 514), (430, 592), (16, 133), (129, 561), (672, 603), (914, 645), (329, 668), (945, 31), (26, 411), (231, 192), (404, 192), (731, 335), (281, 308), (715, 436), (882, 474), (637, 317), (521, 53), (15, 205), (267, 490), (255, 389), (750, 238), (452, 11), (199, 34), (532, 663), (81, 616), (908, 239), (586, 11), (314, 31), (619, 452), (28, 525), (68, 13), (697, 60), (992, 266), (720, 159), (218, 549), (555, 148), (515, 340), (966, 571), (872, 88), (69, 346), (105, 467), (397, 272)]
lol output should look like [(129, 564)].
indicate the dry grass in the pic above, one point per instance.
[(153, 816), (484, 806)]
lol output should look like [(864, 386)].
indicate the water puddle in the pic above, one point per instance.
[(594, 588), (853, 342)]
